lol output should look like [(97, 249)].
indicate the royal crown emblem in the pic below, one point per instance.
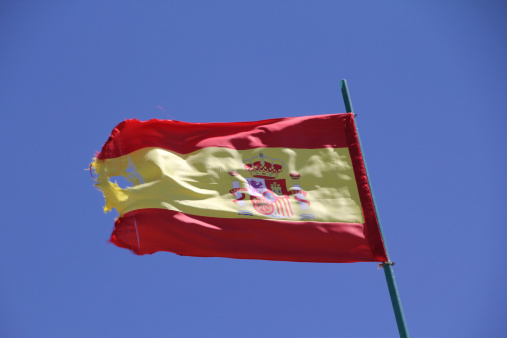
[(264, 166), (268, 192)]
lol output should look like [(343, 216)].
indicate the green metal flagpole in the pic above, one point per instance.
[(388, 266)]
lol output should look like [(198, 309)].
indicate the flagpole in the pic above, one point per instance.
[(388, 265)]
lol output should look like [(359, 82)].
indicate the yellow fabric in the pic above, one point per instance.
[(198, 183)]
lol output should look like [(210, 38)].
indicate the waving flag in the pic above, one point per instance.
[(289, 189)]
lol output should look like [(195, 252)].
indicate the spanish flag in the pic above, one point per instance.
[(286, 189)]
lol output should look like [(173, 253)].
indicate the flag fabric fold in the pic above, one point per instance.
[(288, 189)]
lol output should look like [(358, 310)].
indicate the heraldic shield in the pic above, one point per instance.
[(269, 195)]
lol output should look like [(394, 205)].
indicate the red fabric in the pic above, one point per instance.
[(307, 132), (372, 229), (188, 235)]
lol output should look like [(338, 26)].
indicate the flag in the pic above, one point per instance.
[(287, 189)]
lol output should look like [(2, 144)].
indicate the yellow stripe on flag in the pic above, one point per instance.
[(207, 182)]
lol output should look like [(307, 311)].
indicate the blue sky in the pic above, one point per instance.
[(427, 82)]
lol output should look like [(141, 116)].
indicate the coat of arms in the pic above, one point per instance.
[(268, 193)]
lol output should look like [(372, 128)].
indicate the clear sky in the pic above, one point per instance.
[(427, 81)]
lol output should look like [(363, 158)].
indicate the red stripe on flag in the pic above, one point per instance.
[(306, 132), (147, 231)]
